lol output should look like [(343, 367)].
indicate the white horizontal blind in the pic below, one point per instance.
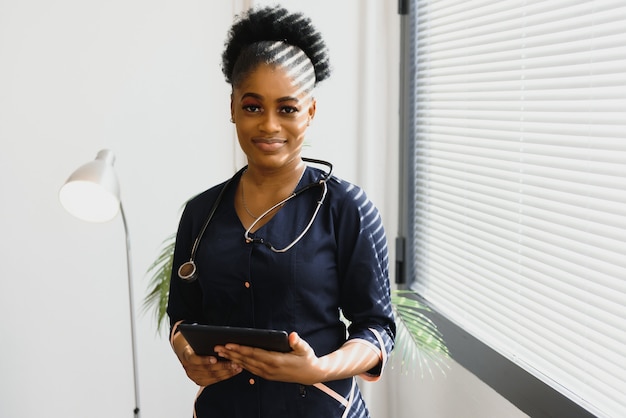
[(520, 199)]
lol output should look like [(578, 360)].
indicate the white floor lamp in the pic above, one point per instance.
[(92, 193)]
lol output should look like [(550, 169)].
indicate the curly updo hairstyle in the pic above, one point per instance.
[(273, 35)]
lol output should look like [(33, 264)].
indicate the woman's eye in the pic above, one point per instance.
[(252, 108), (288, 109)]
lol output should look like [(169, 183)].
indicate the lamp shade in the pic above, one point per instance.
[(92, 192)]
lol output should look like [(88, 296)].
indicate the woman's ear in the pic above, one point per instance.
[(312, 109), (232, 110)]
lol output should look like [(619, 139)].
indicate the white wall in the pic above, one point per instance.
[(143, 79)]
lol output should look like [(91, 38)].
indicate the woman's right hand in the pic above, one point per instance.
[(203, 370)]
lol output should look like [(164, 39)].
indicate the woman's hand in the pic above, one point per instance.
[(203, 370), (301, 365)]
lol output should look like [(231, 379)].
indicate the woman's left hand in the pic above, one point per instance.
[(298, 366)]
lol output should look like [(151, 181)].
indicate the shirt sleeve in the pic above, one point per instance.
[(364, 271), (185, 298)]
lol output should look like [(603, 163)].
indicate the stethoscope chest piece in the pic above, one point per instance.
[(187, 271)]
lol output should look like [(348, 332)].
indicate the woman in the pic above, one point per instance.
[(271, 258)]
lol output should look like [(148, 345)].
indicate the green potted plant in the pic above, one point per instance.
[(418, 340)]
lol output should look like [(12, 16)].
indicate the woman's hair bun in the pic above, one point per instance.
[(275, 24)]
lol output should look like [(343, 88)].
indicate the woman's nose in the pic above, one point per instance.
[(269, 123)]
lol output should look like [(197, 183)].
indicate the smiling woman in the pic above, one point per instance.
[(327, 257)]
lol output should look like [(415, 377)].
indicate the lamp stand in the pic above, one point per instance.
[(132, 313), (92, 193)]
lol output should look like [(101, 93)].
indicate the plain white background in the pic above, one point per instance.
[(143, 79)]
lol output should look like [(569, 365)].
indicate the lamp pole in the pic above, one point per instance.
[(131, 305)]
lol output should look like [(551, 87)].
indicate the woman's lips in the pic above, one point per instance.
[(270, 144)]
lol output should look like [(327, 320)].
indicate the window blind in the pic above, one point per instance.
[(519, 226)]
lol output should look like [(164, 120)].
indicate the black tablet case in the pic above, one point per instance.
[(203, 338)]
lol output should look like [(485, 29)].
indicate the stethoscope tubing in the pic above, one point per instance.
[(188, 271)]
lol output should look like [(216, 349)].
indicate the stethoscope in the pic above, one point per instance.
[(188, 270)]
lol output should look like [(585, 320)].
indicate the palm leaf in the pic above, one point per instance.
[(159, 286), (418, 339)]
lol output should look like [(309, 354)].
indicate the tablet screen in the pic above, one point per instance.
[(203, 338)]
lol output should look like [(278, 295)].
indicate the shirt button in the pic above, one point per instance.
[(247, 285), (251, 381)]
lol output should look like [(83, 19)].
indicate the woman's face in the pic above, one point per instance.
[(271, 113)]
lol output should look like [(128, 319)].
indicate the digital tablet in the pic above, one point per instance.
[(204, 338)]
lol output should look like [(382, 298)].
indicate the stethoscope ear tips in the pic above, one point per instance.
[(187, 271)]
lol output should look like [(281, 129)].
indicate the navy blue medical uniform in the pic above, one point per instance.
[(340, 265)]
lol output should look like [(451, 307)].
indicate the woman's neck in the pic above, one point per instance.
[(272, 180)]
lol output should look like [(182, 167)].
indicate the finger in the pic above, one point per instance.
[(207, 360), (221, 371), (255, 360), (294, 340), (248, 357), (233, 352), (297, 344), (202, 361)]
